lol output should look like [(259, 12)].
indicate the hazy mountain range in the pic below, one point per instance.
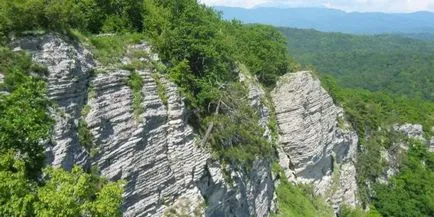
[(331, 20)]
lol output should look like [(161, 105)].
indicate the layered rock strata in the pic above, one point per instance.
[(155, 152), (69, 66), (317, 146)]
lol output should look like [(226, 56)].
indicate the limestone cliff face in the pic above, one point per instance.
[(69, 67), (156, 153), (316, 144)]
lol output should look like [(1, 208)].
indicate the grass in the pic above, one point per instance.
[(161, 90), (108, 49), (135, 82)]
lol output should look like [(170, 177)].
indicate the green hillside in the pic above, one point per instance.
[(389, 63)]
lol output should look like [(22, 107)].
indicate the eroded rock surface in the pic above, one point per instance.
[(69, 66), (237, 192), (155, 152), (316, 144), (413, 131)]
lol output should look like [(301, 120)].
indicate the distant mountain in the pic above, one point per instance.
[(330, 20)]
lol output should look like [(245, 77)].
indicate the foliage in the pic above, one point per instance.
[(411, 192), (192, 36), (108, 49), (59, 15), (358, 212), (77, 193), (259, 45), (237, 136), (367, 111), (16, 191), (84, 135), (24, 121), (201, 49), (160, 88), (298, 200), (370, 113), (388, 63), (136, 84), (61, 193)]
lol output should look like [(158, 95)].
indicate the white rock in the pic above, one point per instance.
[(414, 131), (313, 147), (68, 66)]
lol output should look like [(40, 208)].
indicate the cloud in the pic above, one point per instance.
[(346, 5)]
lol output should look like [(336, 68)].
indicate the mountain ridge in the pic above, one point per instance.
[(333, 20)]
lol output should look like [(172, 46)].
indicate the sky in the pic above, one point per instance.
[(346, 5)]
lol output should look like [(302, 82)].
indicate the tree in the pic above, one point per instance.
[(16, 191), (76, 193), (24, 121)]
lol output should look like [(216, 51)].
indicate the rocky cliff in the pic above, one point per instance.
[(156, 152), (317, 146)]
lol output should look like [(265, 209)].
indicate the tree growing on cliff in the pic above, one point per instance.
[(59, 193)]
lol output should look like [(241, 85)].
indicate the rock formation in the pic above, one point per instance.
[(69, 66), (156, 152), (316, 144)]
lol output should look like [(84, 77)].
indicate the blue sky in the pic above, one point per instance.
[(346, 5)]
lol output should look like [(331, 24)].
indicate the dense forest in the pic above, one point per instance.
[(389, 63), (203, 55)]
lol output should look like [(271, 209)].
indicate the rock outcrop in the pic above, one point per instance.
[(156, 152), (316, 144), (69, 66), (413, 131), (393, 155), (242, 193)]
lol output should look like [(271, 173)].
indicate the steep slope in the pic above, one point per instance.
[(156, 153), (69, 65), (316, 144)]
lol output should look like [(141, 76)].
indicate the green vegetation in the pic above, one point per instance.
[(24, 121), (57, 15), (367, 111), (357, 212), (371, 114), (59, 193), (199, 49), (411, 192), (136, 84), (388, 63), (160, 88), (84, 135), (28, 189), (108, 49), (237, 136), (298, 200)]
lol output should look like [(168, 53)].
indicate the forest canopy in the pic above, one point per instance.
[(389, 63)]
